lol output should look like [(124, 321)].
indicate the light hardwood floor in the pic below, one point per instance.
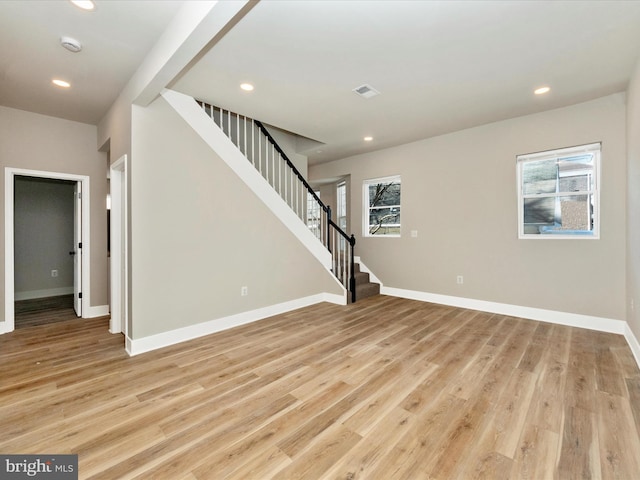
[(383, 389), (41, 311)]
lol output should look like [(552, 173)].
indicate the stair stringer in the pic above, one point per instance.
[(213, 136), (372, 276)]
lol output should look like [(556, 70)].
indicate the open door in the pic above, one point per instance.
[(77, 250)]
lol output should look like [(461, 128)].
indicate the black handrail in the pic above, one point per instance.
[(330, 223), (291, 165)]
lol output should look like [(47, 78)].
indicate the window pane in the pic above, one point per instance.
[(383, 221), (539, 177), (384, 194), (313, 214), (565, 214), (575, 173), (576, 212), (342, 205), (540, 211), (565, 174), (578, 183)]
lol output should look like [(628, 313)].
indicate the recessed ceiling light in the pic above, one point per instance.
[(84, 4), (60, 83), (246, 87), (541, 90), (368, 139)]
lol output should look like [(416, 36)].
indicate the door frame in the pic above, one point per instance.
[(119, 275), (9, 266), (77, 249)]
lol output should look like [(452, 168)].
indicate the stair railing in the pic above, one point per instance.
[(261, 149)]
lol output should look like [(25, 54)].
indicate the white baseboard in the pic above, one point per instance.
[(562, 318), (49, 292), (634, 345), (93, 312), (334, 298), (165, 339), (600, 324)]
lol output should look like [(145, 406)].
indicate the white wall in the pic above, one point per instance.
[(199, 234), (459, 193), (633, 203), (43, 229), (191, 31), (38, 142), (288, 142)]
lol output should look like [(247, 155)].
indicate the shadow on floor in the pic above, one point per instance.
[(42, 311)]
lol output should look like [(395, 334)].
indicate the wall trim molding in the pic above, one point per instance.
[(634, 345), (97, 311), (600, 324), (49, 292), (551, 316), (172, 337)]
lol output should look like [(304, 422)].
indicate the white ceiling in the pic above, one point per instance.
[(440, 65), (115, 38)]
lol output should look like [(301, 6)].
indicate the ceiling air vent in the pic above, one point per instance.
[(366, 91)]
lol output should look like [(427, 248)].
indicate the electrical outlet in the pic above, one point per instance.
[(244, 291), (459, 279), (54, 273)]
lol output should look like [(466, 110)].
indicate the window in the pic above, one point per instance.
[(313, 214), (382, 207), (558, 194), (341, 194)]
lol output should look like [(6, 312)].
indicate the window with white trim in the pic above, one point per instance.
[(341, 203), (382, 207), (314, 214), (558, 193)]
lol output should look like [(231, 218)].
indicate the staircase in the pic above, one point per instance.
[(257, 145), (364, 286)]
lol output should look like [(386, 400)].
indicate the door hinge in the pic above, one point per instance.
[(80, 295), (80, 245)]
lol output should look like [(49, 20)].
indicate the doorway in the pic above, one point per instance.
[(78, 248), (118, 235), (44, 227)]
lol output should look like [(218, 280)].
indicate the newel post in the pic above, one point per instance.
[(352, 279)]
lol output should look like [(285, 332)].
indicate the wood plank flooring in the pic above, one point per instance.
[(384, 389), (41, 311)]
